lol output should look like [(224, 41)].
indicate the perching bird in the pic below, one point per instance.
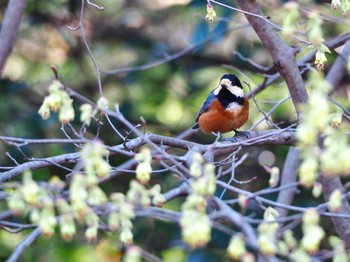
[(226, 108)]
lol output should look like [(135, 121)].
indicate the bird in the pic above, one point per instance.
[(225, 109)]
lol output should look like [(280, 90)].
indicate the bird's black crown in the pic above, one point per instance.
[(234, 79)]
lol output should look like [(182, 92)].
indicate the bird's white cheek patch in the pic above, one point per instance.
[(237, 91)]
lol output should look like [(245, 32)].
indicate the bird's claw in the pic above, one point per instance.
[(242, 133)]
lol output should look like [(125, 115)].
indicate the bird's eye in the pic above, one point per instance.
[(223, 85)]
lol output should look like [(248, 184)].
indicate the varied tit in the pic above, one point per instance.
[(226, 108)]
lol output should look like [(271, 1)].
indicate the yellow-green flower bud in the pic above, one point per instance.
[(67, 227), (126, 236), (55, 86), (317, 189), (144, 155), (195, 202), (158, 199), (77, 190), (314, 29), (313, 233), (16, 203), (311, 216), (66, 113), (311, 240), (30, 189), (274, 176), (211, 14), (80, 209), (307, 135), (320, 60), (345, 7), (34, 215), (56, 182), (91, 219), (102, 168), (282, 248), (133, 254), (44, 110), (335, 201), (196, 229), (86, 113), (248, 257), (270, 214), (289, 239), (126, 210), (236, 248), (143, 172), (300, 255), (335, 4), (267, 245), (114, 221), (102, 103), (91, 234), (62, 206), (291, 18), (96, 196), (336, 120), (47, 221), (308, 171)]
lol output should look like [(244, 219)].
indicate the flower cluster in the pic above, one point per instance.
[(31, 199), (195, 223), (267, 230), (291, 18), (211, 14), (313, 232), (59, 101), (87, 112), (144, 168), (323, 144), (343, 4)]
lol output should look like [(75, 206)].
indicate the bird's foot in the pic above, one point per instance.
[(241, 133)]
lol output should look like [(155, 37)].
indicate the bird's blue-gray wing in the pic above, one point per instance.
[(205, 107)]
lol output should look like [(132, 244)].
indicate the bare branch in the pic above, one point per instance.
[(239, 221), (24, 244), (330, 184), (283, 56), (331, 44), (289, 176), (36, 164), (9, 28)]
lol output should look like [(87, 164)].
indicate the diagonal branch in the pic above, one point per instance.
[(282, 55), (24, 244), (9, 28)]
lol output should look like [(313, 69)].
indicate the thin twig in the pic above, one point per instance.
[(23, 245)]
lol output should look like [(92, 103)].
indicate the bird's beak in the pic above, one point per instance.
[(225, 83)]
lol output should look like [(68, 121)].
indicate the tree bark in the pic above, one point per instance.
[(9, 28)]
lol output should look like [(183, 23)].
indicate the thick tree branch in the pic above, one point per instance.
[(289, 176), (9, 28), (36, 164), (282, 55), (330, 184)]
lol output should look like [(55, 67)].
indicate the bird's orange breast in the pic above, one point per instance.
[(219, 119)]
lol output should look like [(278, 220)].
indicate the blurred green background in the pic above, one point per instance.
[(128, 34)]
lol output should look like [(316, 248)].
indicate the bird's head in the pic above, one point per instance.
[(229, 83)]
